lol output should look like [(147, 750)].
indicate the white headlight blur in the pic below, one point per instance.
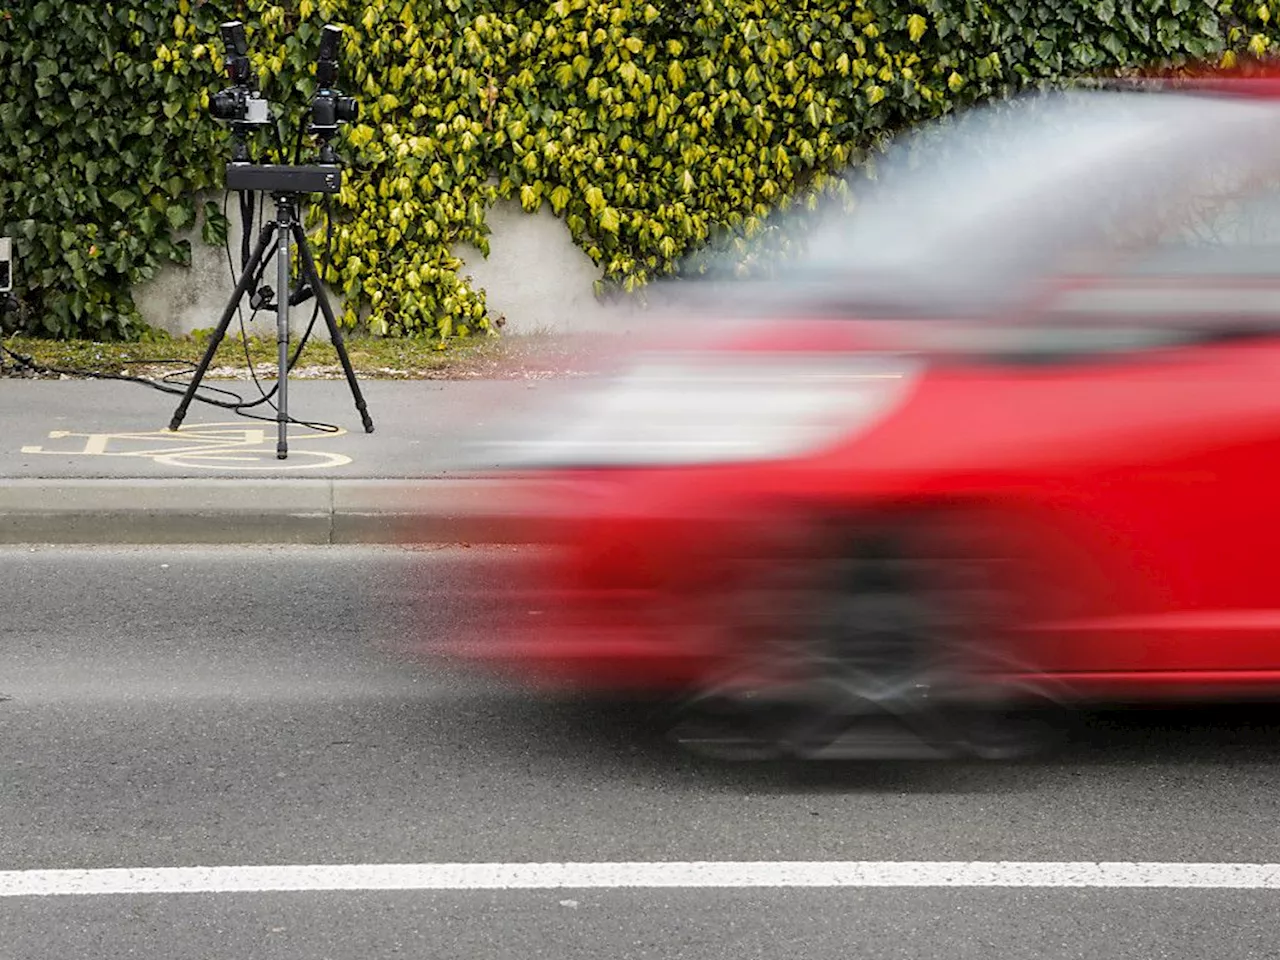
[(712, 409)]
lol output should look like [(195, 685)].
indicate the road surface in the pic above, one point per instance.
[(169, 708)]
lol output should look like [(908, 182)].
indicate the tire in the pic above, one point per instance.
[(906, 631)]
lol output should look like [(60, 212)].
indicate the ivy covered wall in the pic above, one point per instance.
[(653, 127)]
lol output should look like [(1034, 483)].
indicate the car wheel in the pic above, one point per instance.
[(914, 653), (902, 653)]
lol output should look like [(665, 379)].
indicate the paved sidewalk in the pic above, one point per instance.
[(94, 462)]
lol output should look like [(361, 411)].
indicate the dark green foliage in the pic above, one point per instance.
[(650, 127)]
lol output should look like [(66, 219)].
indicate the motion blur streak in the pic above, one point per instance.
[(923, 470)]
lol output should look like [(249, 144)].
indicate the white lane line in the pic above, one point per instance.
[(556, 876)]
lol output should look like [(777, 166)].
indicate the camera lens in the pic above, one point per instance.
[(228, 105), (346, 109), (324, 111)]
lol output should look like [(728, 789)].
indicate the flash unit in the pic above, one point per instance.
[(236, 57)]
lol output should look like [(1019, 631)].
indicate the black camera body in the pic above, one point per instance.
[(243, 107), (240, 105), (329, 107)]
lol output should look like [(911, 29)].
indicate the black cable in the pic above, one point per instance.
[(246, 225), (244, 333), (27, 362), (281, 156), (315, 312), (266, 396), (165, 384), (237, 404), (326, 262), (297, 144), (248, 203)]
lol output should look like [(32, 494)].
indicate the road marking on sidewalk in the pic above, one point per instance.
[(643, 875), (217, 446)]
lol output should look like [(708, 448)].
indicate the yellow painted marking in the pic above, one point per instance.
[(209, 445)]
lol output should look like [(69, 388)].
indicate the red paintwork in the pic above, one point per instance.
[(1140, 492), (1144, 495)]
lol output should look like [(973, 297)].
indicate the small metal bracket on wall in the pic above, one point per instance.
[(6, 264)]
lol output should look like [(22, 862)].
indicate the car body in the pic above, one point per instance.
[(1008, 433)]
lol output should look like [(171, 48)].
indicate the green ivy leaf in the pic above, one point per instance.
[(214, 228), (648, 128), (179, 215)]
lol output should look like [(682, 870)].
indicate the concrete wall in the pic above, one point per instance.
[(182, 299), (535, 277)]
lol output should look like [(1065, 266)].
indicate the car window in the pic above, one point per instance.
[(1207, 253)]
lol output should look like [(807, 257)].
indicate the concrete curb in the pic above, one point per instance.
[(275, 511)]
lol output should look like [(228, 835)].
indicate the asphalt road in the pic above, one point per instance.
[(97, 428), (183, 707)]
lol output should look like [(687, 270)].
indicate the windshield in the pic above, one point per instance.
[(975, 214)]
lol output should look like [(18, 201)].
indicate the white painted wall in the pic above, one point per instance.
[(536, 277)]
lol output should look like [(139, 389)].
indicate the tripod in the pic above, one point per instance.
[(287, 225)]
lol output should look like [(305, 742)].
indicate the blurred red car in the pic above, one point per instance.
[(1007, 435)]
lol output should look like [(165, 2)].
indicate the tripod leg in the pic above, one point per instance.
[(282, 334), (335, 335), (247, 279)]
